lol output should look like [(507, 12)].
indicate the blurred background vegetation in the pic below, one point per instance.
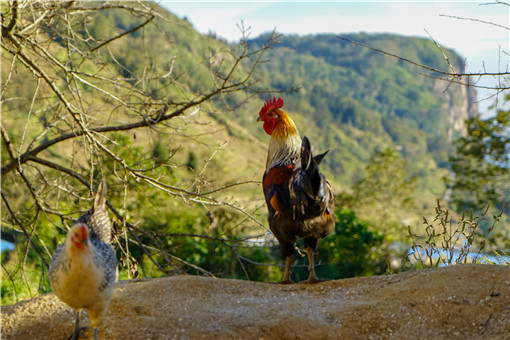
[(131, 92)]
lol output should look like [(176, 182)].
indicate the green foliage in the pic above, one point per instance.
[(160, 153), (385, 193), (386, 182), (192, 163), (351, 250), (481, 165), (212, 241), (383, 198)]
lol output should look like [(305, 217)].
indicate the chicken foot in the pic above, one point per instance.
[(311, 267), (77, 329)]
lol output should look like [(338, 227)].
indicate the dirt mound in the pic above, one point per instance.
[(459, 302)]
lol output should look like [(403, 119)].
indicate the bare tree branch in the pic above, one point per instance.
[(476, 20), (451, 74), (134, 29)]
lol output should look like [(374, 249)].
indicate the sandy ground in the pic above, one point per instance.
[(459, 302)]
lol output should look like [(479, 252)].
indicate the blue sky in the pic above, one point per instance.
[(485, 46)]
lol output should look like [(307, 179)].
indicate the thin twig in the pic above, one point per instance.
[(134, 29), (475, 20), (18, 222)]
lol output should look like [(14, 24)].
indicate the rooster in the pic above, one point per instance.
[(83, 269), (298, 196)]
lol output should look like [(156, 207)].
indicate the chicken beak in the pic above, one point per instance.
[(259, 119), (80, 235)]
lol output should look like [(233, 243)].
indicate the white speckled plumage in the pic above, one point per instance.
[(83, 268)]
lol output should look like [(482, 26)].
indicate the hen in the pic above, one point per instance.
[(298, 196), (83, 268)]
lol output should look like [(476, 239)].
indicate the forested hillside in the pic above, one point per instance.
[(130, 92)]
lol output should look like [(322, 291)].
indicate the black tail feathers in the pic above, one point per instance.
[(308, 188), (306, 154), (319, 158), (309, 163)]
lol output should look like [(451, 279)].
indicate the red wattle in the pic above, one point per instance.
[(269, 126)]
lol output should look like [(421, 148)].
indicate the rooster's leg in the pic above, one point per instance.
[(286, 275), (311, 267)]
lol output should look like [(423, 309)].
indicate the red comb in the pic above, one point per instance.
[(84, 231), (271, 104)]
